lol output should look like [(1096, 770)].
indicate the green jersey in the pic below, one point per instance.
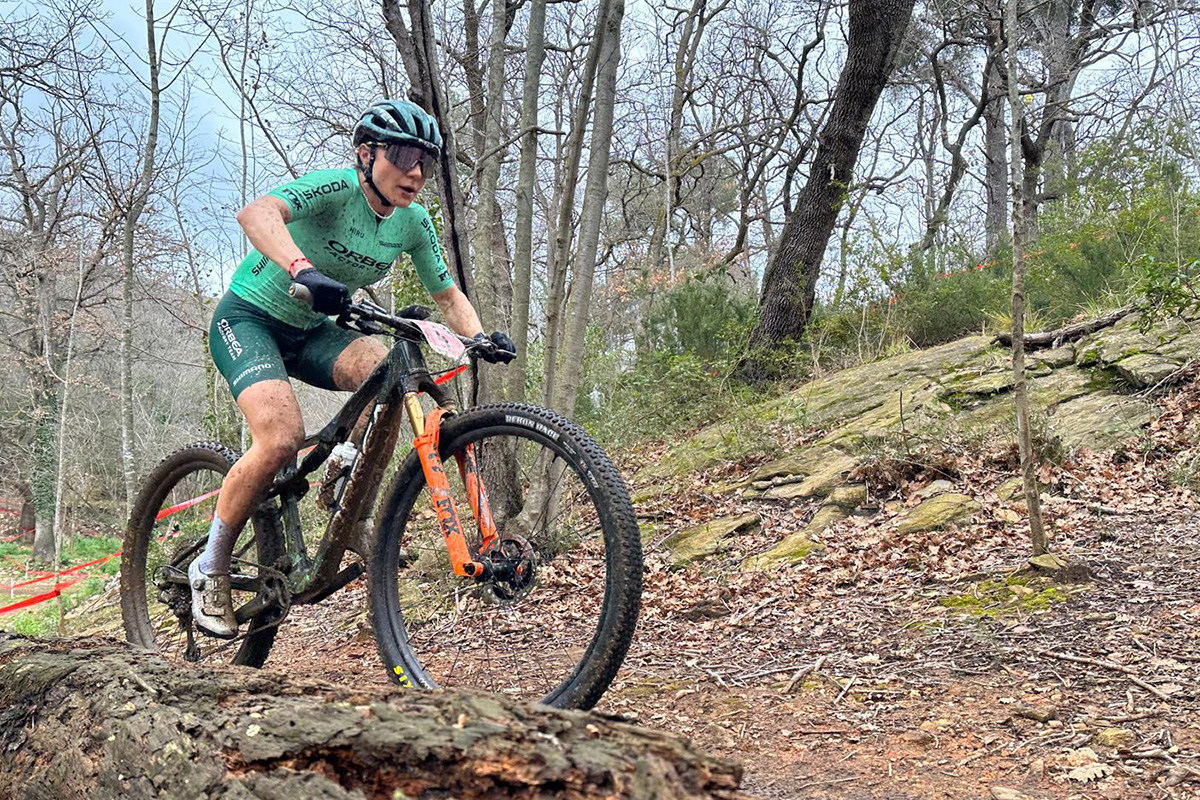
[(337, 231)]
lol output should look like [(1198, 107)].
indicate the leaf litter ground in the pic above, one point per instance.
[(924, 665)]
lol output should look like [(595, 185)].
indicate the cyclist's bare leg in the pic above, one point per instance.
[(277, 428), (356, 362), (352, 368)]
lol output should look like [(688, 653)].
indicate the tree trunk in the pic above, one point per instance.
[(97, 719), (685, 60), (45, 424), (27, 521), (535, 53), (491, 266), (137, 203), (419, 53), (594, 197), (560, 247), (789, 286), (995, 153), (59, 481), (1020, 392)]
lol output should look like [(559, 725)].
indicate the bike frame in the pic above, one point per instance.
[(392, 390)]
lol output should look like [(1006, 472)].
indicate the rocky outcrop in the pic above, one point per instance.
[(938, 512), (1083, 390), (707, 539), (1083, 394)]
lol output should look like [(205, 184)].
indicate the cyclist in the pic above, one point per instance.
[(333, 231)]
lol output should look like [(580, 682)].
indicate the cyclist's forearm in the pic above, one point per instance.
[(265, 224), (459, 313)]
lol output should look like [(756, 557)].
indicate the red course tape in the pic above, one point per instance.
[(60, 586)]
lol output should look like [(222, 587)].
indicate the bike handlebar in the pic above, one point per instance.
[(404, 326)]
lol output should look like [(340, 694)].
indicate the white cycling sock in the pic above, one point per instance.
[(215, 558)]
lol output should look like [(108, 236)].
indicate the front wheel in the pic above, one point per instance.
[(559, 630)]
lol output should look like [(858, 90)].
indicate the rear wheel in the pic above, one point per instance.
[(168, 529), (557, 628)]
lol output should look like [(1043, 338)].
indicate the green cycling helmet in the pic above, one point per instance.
[(398, 121)]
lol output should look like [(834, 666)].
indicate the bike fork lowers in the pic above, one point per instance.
[(428, 430)]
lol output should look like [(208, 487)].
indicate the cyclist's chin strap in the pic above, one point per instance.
[(368, 170)]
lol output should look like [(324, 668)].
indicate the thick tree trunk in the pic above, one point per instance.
[(789, 286), (27, 521), (93, 718), (995, 152), (45, 450), (60, 530)]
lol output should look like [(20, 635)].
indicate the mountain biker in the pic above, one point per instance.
[(333, 231)]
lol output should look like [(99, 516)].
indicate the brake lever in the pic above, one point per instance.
[(347, 320)]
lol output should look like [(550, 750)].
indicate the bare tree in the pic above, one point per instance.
[(535, 53), (789, 287), (1020, 392), (594, 197)]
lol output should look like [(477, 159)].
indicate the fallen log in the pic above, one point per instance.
[(1068, 333), (95, 718)]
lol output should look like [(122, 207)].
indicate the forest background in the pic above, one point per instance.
[(669, 207)]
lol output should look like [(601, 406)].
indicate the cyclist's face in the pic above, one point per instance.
[(399, 186)]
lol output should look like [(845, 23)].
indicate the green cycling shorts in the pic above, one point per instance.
[(248, 345)]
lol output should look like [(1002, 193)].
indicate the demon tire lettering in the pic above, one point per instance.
[(515, 419)]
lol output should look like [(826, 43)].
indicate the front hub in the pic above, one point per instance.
[(514, 566)]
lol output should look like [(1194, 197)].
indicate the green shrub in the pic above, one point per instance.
[(37, 622), (676, 373), (89, 548)]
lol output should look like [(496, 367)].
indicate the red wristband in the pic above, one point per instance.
[(293, 272)]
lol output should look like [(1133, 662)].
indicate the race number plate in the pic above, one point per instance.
[(441, 339)]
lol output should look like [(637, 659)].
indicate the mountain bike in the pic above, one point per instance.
[(504, 556)]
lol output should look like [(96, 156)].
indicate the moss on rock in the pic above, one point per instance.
[(1011, 489), (848, 498), (1100, 421), (701, 541), (819, 484), (798, 545), (938, 512), (996, 598), (1145, 369)]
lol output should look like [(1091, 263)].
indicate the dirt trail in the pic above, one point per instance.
[(914, 698)]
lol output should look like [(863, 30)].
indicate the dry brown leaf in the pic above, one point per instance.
[(1089, 772)]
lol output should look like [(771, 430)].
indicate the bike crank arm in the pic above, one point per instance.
[(428, 430)]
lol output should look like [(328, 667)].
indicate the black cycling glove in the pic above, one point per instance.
[(504, 352), (328, 296)]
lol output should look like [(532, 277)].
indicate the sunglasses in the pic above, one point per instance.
[(406, 156)]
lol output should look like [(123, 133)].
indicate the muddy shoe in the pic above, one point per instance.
[(212, 605)]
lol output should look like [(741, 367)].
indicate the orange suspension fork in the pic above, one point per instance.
[(469, 470), (428, 429)]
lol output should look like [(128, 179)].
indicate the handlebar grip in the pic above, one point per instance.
[(301, 293)]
